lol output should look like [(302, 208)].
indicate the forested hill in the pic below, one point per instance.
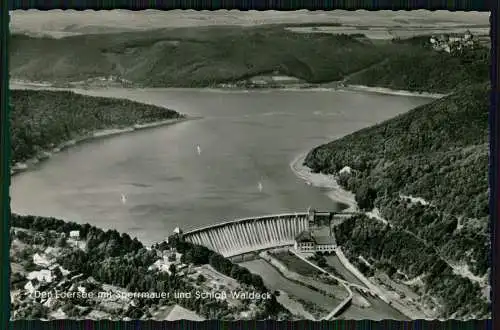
[(438, 152), (415, 66), (207, 56), (189, 57), (41, 120), (427, 173)]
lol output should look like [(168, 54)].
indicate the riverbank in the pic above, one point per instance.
[(46, 154), (338, 295)]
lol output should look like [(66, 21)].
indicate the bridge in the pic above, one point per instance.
[(247, 235)]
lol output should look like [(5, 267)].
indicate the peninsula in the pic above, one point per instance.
[(43, 122)]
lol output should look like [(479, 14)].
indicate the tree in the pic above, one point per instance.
[(200, 279), (365, 197), (30, 265), (235, 271), (173, 270), (322, 262), (58, 273), (61, 242)]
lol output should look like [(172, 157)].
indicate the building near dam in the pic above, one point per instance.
[(308, 242)]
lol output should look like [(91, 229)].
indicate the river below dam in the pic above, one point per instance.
[(231, 163)]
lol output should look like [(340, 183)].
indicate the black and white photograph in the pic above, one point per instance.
[(249, 165)]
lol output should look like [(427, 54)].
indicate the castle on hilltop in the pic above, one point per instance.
[(451, 43)]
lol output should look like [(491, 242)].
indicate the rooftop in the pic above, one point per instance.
[(324, 240), (304, 236)]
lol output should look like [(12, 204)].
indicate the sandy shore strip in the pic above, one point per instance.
[(336, 193), (27, 165), (388, 91)]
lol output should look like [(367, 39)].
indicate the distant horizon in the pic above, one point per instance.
[(70, 22)]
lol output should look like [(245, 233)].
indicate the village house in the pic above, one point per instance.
[(43, 275), (42, 260), (345, 170), (75, 234)]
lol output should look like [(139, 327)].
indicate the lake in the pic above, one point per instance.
[(231, 163)]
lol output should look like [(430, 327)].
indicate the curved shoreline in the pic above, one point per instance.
[(389, 91), (336, 193), (47, 154)]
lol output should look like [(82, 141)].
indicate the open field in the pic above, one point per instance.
[(61, 23)]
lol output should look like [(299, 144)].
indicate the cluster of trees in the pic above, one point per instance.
[(320, 259), (392, 249), (199, 255), (459, 239), (41, 120), (365, 197), (100, 243), (45, 238), (295, 264), (35, 311)]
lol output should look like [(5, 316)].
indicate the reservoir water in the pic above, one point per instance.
[(231, 163)]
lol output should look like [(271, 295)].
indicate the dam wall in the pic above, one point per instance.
[(250, 234)]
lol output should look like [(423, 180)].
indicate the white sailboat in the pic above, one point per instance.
[(124, 199)]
